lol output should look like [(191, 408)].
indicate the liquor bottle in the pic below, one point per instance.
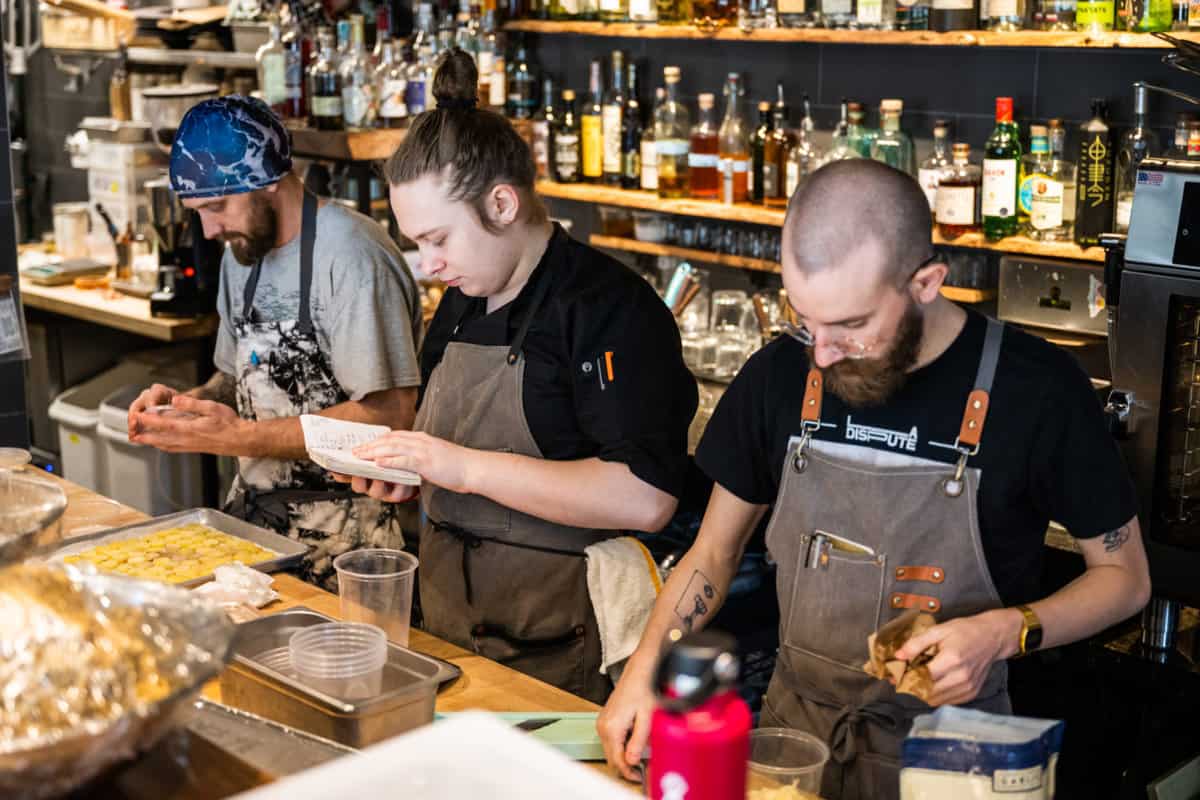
[(758, 141), (566, 143), (793, 14), (1094, 16), (956, 212), (591, 123), (1193, 15), (877, 14), (498, 86), (1002, 157), (614, 10), (858, 135), (1136, 143), (756, 14), (1180, 12), (1035, 166), (120, 101), (544, 123), (734, 145), (1094, 204), (631, 134), (1154, 16), (612, 109), (954, 15), (704, 160), (345, 33), (383, 32), (671, 131), (802, 161), (358, 90), (893, 146), (838, 13), (523, 84), (711, 14), (419, 88), (271, 59), (912, 15), (1006, 16), (1054, 15), (297, 57), (325, 90), (483, 44), (778, 147), (674, 12), (649, 177), (841, 148), (644, 11), (391, 85), (931, 169), (1183, 124), (1052, 205)]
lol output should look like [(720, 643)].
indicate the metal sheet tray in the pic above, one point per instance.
[(271, 747), (290, 552)]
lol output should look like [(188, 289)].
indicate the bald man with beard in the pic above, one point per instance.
[(912, 454)]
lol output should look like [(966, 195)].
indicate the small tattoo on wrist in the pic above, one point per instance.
[(698, 599)]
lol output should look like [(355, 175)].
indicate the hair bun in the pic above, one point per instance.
[(456, 81)]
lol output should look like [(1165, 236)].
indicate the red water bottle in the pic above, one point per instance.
[(700, 732)]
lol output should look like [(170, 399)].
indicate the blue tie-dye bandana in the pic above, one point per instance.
[(230, 145)]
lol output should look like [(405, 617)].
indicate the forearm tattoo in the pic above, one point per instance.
[(1115, 540), (699, 598)]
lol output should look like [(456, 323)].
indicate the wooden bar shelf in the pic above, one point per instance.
[(1050, 39), (367, 145), (757, 215)]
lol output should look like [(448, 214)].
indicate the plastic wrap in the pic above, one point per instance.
[(30, 508), (93, 669)]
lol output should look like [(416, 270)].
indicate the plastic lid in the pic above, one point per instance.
[(696, 667)]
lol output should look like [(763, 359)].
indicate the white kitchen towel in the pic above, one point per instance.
[(623, 582)]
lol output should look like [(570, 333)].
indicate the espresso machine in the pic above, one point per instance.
[(189, 266)]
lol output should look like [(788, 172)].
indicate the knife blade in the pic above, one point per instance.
[(531, 725)]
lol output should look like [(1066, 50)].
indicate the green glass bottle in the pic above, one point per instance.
[(1156, 15), (1001, 166)]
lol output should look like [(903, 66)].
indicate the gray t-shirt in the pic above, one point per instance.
[(365, 305)]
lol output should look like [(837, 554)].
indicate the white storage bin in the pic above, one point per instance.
[(151, 481), (77, 412)]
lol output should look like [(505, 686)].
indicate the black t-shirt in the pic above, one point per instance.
[(1045, 454), (604, 373)]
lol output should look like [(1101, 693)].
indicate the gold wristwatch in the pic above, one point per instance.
[(1031, 631)]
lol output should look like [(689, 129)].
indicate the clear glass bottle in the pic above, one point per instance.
[(733, 145), (358, 89), (756, 14), (649, 177), (391, 86), (523, 84), (841, 147), (1136, 144), (498, 86), (1052, 198), (671, 132), (931, 169), (704, 159), (1054, 15), (1035, 166), (544, 123), (838, 13), (858, 135), (324, 86), (566, 143), (1006, 16), (1154, 16), (876, 14), (611, 112), (1058, 149), (758, 141), (1001, 166), (954, 15), (802, 161), (1094, 16), (271, 60), (957, 209), (631, 134), (893, 146), (592, 126), (418, 89)]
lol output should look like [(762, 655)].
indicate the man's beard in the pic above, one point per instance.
[(869, 382), (258, 239)]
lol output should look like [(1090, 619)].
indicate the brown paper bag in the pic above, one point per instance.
[(909, 677)]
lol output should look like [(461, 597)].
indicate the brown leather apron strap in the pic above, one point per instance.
[(921, 573), (924, 602), (970, 432), (813, 386)]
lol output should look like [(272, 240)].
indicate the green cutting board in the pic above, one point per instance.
[(572, 733)]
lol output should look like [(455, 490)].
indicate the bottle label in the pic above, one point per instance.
[(1025, 191), (649, 165), (1194, 14), (631, 165), (643, 10), (293, 74), (792, 7), (570, 7), (1124, 211), (498, 90), (999, 187), (566, 155), (1095, 172), (671, 147), (327, 106), (610, 121), (870, 12), (392, 100), (274, 79), (836, 7), (1092, 13), (414, 97), (611, 6), (955, 205), (703, 160), (486, 62), (355, 105), (593, 147), (770, 187), (1046, 211), (1001, 8), (928, 178), (953, 5), (541, 147), (793, 178)]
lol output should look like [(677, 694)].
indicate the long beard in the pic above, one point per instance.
[(259, 238), (871, 382)]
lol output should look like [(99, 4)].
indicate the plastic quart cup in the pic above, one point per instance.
[(783, 757), (341, 659), (375, 586)]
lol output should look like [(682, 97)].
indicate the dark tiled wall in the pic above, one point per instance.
[(14, 429)]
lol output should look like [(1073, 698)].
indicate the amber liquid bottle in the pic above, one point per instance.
[(704, 159), (779, 144)]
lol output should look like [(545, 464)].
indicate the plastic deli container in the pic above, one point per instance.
[(342, 659)]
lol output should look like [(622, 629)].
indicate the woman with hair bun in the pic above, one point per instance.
[(555, 402)]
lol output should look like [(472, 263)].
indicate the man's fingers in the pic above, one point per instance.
[(922, 642)]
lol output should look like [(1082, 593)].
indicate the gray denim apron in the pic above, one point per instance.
[(282, 373), (507, 585), (859, 536)]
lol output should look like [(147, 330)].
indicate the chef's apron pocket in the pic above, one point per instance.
[(472, 512), (836, 599), (873, 777), (556, 659)]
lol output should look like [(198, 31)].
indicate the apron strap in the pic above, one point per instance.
[(813, 385), (514, 352), (308, 235), (971, 431)]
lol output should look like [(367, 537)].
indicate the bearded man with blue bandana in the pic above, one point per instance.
[(319, 315)]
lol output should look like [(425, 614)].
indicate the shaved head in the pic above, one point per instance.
[(850, 204)]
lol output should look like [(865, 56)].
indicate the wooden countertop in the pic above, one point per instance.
[(114, 310)]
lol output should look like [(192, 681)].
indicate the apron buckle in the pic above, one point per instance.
[(953, 486), (807, 429)]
